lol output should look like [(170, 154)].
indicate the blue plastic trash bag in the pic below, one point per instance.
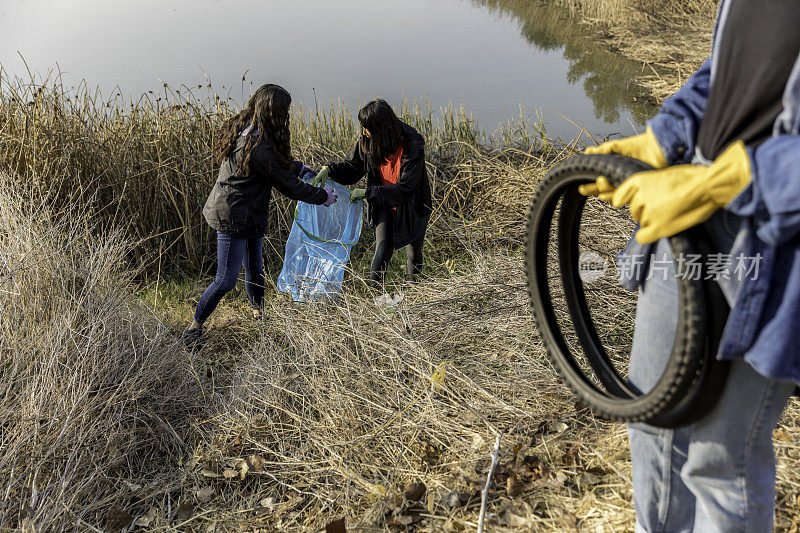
[(319, 246)]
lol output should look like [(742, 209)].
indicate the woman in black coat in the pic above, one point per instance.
[(392, 156), (255, 153)]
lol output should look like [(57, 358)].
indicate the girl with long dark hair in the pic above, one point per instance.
[(254, 150), (392, 156)]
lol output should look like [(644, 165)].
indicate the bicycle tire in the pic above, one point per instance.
[(692, 377)]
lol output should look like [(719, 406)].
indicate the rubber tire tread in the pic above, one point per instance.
[(690, 356)]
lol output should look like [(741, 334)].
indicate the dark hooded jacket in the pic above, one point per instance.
[(411, 195), (239, 205)]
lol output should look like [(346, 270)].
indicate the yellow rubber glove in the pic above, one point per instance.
[(600, 188), (643, 147), (668, 201)]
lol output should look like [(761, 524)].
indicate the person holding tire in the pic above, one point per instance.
[(392, 156), (255, 154), (726, 153)]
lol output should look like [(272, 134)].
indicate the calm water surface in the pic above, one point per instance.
[(492, 56)]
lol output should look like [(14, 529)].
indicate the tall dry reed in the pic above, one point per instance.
[(147, 164)]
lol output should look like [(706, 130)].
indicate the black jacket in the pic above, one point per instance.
[(239, 205), (411, 195)]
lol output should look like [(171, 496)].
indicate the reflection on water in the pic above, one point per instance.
[(607, 77), (492, 56)]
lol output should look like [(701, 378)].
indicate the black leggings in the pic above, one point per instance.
[(384, 248)]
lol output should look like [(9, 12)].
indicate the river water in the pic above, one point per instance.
[(494, 57)]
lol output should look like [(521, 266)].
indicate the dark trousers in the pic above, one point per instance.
[(231, 253), (384, 248)]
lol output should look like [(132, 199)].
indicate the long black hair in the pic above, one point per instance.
[(384, 128), (268, 113)]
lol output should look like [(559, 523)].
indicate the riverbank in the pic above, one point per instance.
[(672, 37), (383, 416)]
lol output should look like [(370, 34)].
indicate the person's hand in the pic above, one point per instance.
[(668, 201), (643, 147), (357, 194), (331, 198), (321, 177), (600, 188)]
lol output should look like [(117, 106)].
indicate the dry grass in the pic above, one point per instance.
[(95, 392), (313, 413), (344, 417), (148, 163), (345, 414)]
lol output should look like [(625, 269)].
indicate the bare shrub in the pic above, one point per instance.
[(95, 393)]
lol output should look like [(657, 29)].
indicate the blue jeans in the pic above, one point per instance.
[(231, 252), (717, 474)]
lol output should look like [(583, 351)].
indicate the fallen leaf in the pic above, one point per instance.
[(516, 449), (402, 520), (517, 515), (514, 520), (572, 456), (263, 511), (337, 526), (571, 521), (431, 455), (454, 499), (267, 502), (146, 519), (208, 473), (587, 478), (255, 463), (541, 471), (415, 491), (512, 487), (133, 487), (482, 466), (431, 503), (587, 503), (522, 469), (475, 481), (185, 512), (229, 473), (204, 494), (555, 482), (117, 519)]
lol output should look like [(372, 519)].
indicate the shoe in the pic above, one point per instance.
[(193, 339)]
